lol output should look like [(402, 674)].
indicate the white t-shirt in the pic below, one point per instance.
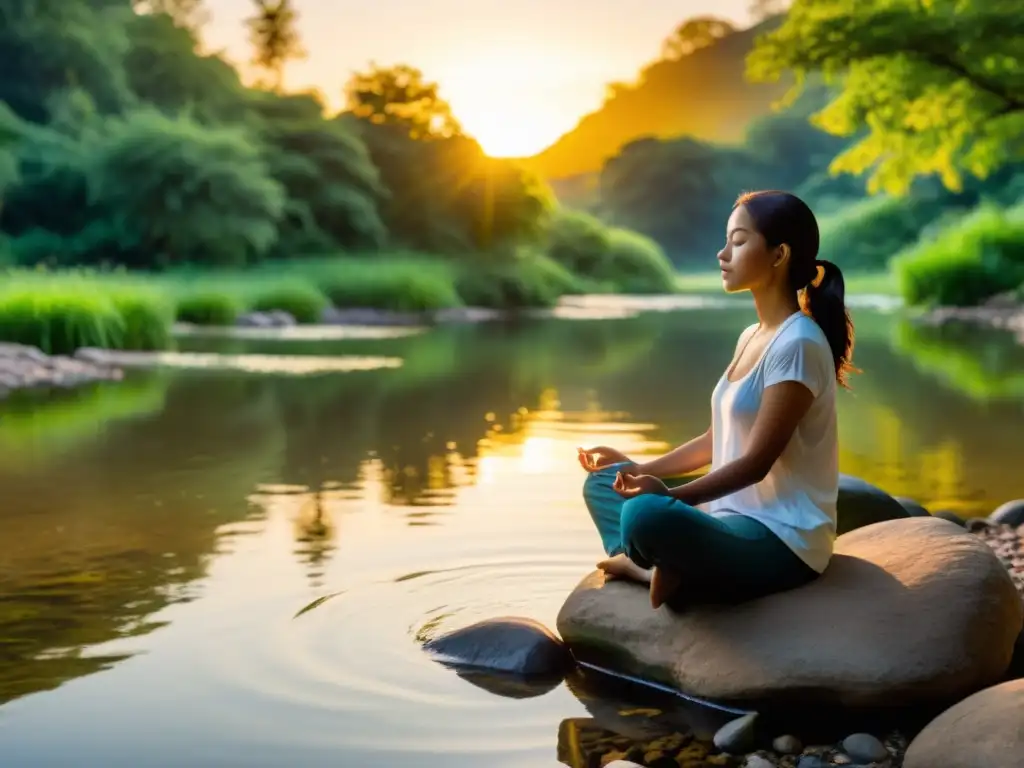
[(797, 499)]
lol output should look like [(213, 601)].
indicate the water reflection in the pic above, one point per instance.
[(193, 514)]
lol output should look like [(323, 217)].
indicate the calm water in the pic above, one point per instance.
[(160, 535)]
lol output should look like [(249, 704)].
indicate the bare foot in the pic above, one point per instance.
[(663, 584), (621, 567)]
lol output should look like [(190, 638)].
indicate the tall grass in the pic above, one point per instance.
[(64, 311)]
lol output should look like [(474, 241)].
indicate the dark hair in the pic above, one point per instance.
[(784, 218)]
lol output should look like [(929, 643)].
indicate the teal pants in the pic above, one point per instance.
[(723, 559)]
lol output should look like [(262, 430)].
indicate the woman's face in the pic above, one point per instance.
[(746, 261)]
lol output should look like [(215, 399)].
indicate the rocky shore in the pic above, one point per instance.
[(1005, 312), (25, 367)]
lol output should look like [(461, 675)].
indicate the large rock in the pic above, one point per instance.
[(860, 503), (982, 731), (908, 611)]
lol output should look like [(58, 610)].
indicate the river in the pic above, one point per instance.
[(161, 535)]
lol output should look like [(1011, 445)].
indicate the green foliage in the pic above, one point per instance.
[(969, 261), (165, 71), (938, 85), (190, 15), (334, 190), (399, 284), (400, 95), (49, 46), (181, 191), (636, 264), (299, 298), (625, 260), (209, 307), (61, 313), (531, 280), (869, 232)]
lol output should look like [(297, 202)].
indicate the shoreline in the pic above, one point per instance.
[(1003, 312)]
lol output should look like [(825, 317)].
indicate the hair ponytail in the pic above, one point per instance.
[(824, 299), (782, 217)]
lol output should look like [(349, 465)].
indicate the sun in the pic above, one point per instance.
[(506, 133), (508, 100)]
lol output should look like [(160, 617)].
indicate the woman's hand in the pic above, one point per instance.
[(629, 485), (593, 459)]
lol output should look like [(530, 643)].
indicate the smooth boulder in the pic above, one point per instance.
[(908, 611), (508, 644), (860, 503), (985, 730)]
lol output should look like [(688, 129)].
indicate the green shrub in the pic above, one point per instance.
[(530, 280), (969, 261), (609, 258), (578, 241), (209, 307), (866, 234), (404, 285), (301, 299), (637, 264)]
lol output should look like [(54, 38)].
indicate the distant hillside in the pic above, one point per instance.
[(704, 95)]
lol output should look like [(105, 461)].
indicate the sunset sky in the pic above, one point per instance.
[(517, 74)]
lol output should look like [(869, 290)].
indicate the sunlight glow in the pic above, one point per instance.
[(508, 100)]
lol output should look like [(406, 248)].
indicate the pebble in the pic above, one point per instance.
[(787, 745), (758, 761)]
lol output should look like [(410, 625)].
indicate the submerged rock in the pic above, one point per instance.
[(982, 731), (908, 611), (860, 503), (275, 318), (508, 644)]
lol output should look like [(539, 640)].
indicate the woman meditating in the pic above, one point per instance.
[(763, 519)]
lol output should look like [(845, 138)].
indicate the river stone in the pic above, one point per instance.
[(982, 731), (507, 644), (737, 736), (912, 507), (1011, 513), (865, 748), (787, 745), (860, 503), (908, 611)]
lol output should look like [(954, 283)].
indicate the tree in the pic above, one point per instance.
[(175, 190), (928, 87), (274, 35), (189, 14), (400, 95), (695, 34)]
